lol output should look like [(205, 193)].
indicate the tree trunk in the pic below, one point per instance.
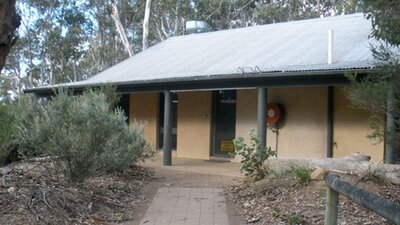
[(9, 22), (120, 29), (146, 25)]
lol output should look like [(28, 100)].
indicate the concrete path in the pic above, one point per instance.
[(187, 206), (221, 166)]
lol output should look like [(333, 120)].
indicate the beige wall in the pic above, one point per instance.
[(194, 125), (304, 133), (246, 112), (351, 128), (143, 107)]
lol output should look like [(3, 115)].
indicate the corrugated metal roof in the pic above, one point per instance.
[(282, 47)]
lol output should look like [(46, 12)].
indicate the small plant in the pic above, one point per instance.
[(301, 173), (253, 156)]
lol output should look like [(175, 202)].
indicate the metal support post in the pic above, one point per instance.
[(329, 142), (262, 115), (167, 138)]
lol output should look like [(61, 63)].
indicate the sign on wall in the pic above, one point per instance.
[(227, 146)]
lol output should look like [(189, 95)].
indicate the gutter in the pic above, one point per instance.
[(242, 80)]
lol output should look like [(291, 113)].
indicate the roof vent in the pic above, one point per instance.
[(194, 27)]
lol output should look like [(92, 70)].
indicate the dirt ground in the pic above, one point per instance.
[(283, 200), (34, 193)]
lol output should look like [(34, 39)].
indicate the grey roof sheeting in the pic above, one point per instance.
[(279, 48)]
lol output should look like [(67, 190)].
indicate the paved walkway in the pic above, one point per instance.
[(187, 206), (189, 193)]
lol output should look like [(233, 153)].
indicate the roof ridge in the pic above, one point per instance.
[(303, 21)]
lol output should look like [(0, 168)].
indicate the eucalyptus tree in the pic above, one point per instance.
[(379, 92), (9, 22)]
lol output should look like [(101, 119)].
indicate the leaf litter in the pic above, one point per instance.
[(281, 200), (34, 193)]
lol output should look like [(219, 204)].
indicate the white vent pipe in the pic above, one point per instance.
[(330, 46)]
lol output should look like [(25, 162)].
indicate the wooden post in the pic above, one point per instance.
[(332, 207)]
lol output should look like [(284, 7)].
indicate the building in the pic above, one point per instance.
[(213, 87)]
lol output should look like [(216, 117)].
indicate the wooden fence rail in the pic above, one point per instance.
[(385, 208)]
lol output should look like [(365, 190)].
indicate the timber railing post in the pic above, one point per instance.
[(380, 205), (332, 207)]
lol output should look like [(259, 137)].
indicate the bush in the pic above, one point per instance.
[(81, 133), (253, 156), (6, 134), (301, 173)]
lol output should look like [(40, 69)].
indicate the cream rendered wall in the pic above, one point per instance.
[(304, 133), (351, 128), (246, 114), (144, 107), (194, 124)]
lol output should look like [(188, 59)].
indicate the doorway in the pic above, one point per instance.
[(224, 122)]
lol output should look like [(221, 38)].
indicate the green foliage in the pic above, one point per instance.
[(110, 92), (373, 91), (384, 17), (253, 156), (81, 133), (301, 173), (6, 131)]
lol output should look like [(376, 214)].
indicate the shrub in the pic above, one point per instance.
[(301, 173), (6, 133), (253, 156), (82, 134)]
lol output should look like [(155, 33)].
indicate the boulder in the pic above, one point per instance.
[(318, 174)]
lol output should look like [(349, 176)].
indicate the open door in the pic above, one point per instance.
[(224, 122)]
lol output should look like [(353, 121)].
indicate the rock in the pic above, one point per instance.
[(318, 174), (11, 190)]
